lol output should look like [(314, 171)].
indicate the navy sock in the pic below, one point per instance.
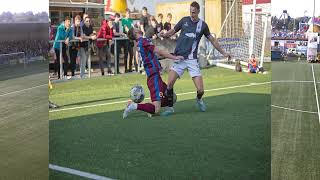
[(200, 94), (170, 97)]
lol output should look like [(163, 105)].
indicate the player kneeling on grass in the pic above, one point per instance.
[(152, 67), (252, 65)]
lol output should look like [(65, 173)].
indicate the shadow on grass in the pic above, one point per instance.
[(16, 71), (93, 101), (229, 141)]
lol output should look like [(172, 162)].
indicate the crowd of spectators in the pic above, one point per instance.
[(112, 27), (31, 48), (116, 26), (282, 34)]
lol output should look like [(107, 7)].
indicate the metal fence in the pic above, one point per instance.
[(89, 56)]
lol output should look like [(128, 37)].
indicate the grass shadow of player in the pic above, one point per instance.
[(93, 101)]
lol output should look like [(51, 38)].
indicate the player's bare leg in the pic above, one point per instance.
[(198, 82), (151, 108), (173, 76)]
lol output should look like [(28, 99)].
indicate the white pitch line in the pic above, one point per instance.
[(291, 109), (315, 89), (230, 87), (291, 81), (180, 94), (13, 92), (88, 106), (77, 172)]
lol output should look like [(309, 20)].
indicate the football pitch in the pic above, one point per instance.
[(24, 121), (229, 141), (295, 121)]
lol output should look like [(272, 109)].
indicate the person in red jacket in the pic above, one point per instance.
[(105, 32)]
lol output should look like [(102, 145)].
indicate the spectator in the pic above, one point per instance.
[(120, 43), (167, 25), (152, 30), (64, 33), (144, 21), (103, 46), (127, 24), (84, 16), (75, 46), (84, 46), (160, 24), (110, 25)]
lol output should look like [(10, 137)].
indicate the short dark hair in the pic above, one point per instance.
[(169, 15), (195, 4), (128, 10), (160, 15), (144, 8), (67, 18), (117, 15)]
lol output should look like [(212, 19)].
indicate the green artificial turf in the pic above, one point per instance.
[(24, 122), (229, 141), (295, 135)]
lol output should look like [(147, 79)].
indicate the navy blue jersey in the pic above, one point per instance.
[(191, 33)]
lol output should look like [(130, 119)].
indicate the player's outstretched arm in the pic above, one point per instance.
[(166, 54), (216, 44), (168, 34)]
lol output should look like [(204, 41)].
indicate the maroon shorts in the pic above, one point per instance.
[(157, 89)]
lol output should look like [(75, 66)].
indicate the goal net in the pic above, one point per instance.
[(13, 58), (241, 34)]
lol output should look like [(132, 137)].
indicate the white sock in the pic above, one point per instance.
[(135, 105)]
